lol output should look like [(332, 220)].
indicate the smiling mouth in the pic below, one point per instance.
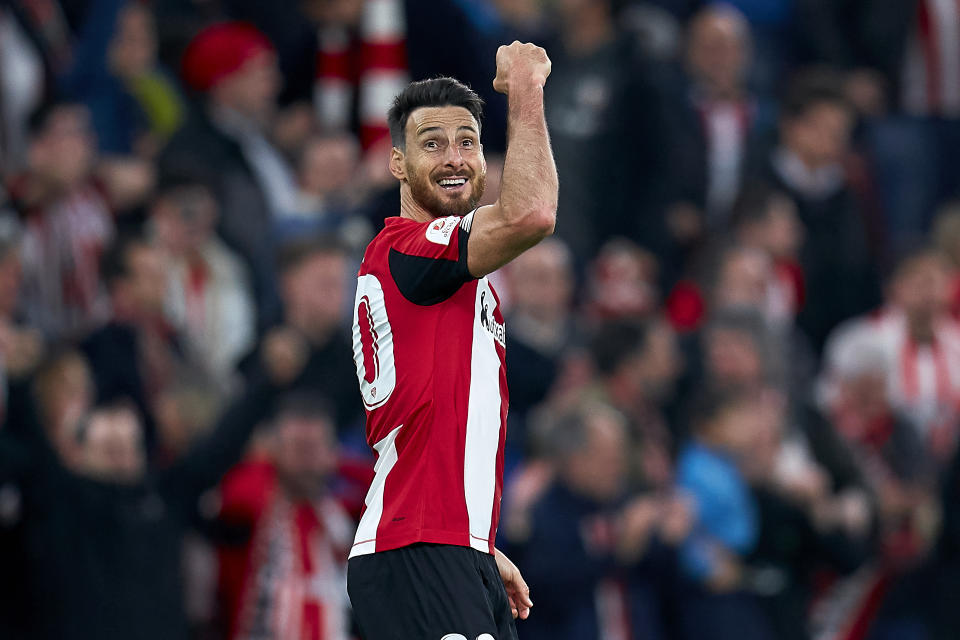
[(452, 184)]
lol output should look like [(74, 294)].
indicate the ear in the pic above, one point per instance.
[(396, 164)]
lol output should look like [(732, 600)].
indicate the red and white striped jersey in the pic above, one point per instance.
[(428, 341)]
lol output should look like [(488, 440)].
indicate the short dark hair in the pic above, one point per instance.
[(753, 203), (615, 342), (712, 403), (912, 255), (308, 405), (811, 88), (435, 92), (40, 117), (292, 254), (115, 261)]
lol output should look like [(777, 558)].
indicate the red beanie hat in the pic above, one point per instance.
[(218, 51)]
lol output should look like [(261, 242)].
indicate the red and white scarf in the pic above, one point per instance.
[(931, 71), (367, 70), (295, 585)]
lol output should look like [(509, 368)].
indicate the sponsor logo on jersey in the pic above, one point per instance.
[(488, 322), (440, 230)]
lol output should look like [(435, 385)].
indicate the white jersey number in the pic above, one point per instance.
[(373, 343)]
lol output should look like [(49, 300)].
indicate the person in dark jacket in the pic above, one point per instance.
[(103, 533), (232, 69), (137, 354), (840, 256), (313, 287), (593, 554)]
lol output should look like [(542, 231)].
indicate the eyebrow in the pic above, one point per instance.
[(461, 127)]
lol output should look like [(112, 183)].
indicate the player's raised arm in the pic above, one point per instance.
[(527, 209)]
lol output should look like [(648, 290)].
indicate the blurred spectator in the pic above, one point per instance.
[(814, 513), (774, 39), (726, 525), (808, 166), (184, 412), (604, 538), (767, 220), (64, 392), (892, 455), (285, 581), (68, 223), (749, 282), (348, 76), (21, 346), (134, 105), (94, 532), (137, 355), (738, 352), (901, 471), (313, 286), (542, 329), (919, 343), (946, 238), (722, 125), (208, 296), (637, 366), (225, 143), (900, 53), (526, 19), (606, 127), (621, 283), (24, 81), (328, 193)]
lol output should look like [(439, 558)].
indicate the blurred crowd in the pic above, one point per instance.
[(734, 370)]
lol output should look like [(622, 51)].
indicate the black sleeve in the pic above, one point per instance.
[(208, 460), (426, 281)]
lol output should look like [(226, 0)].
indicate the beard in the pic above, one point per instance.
[(429, 195)]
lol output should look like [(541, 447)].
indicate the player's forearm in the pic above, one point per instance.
[(528, 191)]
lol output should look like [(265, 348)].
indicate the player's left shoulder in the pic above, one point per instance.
[(441, 230)]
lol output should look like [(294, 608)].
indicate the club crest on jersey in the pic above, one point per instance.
[(440, 230), (488, 322)]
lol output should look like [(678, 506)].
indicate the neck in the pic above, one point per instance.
[(410, 208)]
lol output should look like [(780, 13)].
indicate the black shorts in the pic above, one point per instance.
[(429, 592)]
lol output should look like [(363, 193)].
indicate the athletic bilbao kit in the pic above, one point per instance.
[(428, 341)]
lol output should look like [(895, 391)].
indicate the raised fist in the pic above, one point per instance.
[(520, 65), (284, 353)]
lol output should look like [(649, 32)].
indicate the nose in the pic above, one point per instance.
[(453, 157)]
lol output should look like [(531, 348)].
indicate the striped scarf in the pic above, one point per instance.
[(294, 588), (358, 75)]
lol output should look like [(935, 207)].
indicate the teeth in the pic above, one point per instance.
[(452, 182)]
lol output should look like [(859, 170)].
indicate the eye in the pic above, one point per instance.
[(431, 144), (467, 143)]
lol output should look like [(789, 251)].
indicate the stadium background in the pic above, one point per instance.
[(734, 371)]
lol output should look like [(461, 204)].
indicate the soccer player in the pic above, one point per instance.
[(428, 339)]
